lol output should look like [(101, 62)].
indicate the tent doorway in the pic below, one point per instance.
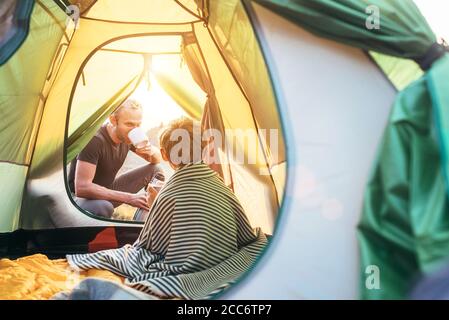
[(166, 90)]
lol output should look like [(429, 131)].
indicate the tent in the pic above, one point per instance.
[(266, 64), (100, 62)]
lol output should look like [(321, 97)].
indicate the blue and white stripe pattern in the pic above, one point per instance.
[(197, 240)]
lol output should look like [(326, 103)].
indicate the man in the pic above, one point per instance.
[(92, 176)]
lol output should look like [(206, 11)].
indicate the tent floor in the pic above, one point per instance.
[(56, 243)]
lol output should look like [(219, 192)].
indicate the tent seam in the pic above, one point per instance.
[(142, 23), (15, 163), (187, 10)]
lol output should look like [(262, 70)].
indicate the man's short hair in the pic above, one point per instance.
[(130, 104)]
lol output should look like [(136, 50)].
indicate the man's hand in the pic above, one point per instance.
[(139, 201), (151, 195), (85, 188), (149, 153)]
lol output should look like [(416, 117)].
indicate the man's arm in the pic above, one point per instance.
[(85, 188)]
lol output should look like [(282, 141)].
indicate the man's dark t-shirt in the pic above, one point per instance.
[(105, 154)]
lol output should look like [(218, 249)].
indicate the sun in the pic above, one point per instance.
[(158, 107)]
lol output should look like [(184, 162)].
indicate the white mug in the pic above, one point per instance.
[(138, 137)]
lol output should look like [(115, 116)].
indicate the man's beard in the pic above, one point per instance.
[(121, 137)]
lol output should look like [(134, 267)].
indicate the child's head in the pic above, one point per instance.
[(181, 142)]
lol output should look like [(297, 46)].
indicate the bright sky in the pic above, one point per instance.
[(436, 13), (158, 106)]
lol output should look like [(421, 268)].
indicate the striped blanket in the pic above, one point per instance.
[(196, 242)]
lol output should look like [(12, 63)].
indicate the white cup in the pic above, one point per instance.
[(138, 137)]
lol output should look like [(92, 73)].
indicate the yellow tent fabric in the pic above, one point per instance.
[(240, 49), (25, 80)]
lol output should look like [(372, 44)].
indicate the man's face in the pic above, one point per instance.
[(126, 120)]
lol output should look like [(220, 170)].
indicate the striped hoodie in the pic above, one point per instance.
[(196, 241)]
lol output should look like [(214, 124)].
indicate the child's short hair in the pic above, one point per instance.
[(180, 133)]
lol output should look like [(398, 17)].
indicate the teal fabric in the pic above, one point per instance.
[(404, 228), (403, 30)]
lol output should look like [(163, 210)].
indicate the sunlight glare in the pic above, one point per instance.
[(435, 12), (158, 106)]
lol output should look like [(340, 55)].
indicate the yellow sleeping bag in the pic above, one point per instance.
[(38, 278)]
